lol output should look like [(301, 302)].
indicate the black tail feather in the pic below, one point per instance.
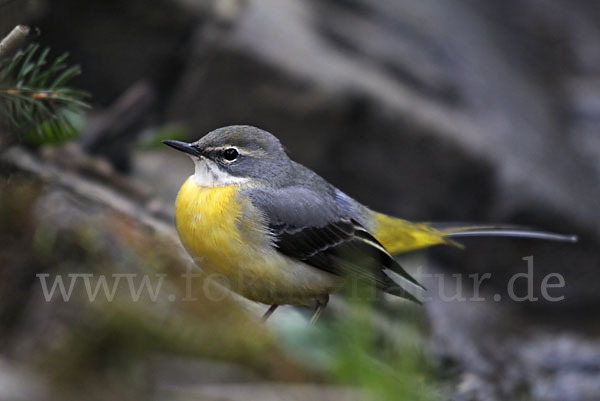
[(492, 230)]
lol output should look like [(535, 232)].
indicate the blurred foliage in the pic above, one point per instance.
[(388, 373), (35, 98), (386, 369), (360, 347)]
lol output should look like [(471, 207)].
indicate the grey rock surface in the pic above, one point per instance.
[(463, 118), (498, 352), (456, 110)]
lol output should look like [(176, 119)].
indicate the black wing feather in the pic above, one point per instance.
[(314, 228), (343, 248)]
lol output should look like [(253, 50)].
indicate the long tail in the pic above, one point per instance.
[(464, 230), (399, 236)]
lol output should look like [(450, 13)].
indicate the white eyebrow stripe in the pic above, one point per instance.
[(210, 148), (242, 150)]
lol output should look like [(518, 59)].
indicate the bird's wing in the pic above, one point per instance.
[(313, 228)]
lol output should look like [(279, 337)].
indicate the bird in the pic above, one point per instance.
[(280, 234)]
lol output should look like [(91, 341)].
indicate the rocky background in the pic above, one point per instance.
[(435, 110)]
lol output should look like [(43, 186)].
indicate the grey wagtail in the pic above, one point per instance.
[(281, 234)]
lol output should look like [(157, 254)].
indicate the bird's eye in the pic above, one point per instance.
[(230, 154)]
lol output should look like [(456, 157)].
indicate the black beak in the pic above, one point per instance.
[(183, 146)]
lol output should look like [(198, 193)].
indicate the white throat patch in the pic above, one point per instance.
[(208, 174)]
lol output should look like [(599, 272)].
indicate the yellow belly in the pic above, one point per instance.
[(225, 236)]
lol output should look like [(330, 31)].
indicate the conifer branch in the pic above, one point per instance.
[(34, 96)]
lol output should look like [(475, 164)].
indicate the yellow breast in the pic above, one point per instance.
[(206, 219), (226, 235)]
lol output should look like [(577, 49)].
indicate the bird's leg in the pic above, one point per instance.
[(321, 304), (269, 312)]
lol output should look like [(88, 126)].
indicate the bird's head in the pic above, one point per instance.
[(236, 155)]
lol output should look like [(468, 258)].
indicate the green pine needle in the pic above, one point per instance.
[(35, 98)]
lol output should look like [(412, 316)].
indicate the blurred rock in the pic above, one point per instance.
[(502, 352), (458, 112), (429, 110), (19, 385), (469, 122), (469, 132), (118, 43), (19, 12)]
